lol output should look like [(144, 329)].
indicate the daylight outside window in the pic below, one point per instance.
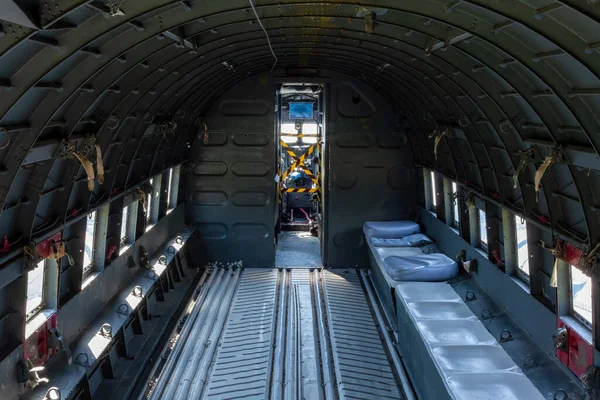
[(433, 191), (522, 250), (124, 225), (581, 295), (90, 234), (149, 205), (169, 188), (456, 218), (309, 129), (35, 288), (288, 133), (483, 240)]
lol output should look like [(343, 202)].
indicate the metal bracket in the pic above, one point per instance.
[(138, 291), (470, 296), (53, 393), (561, 339), (505, 336), (83, 360), (106, 331), (62, 343), (123, 310)]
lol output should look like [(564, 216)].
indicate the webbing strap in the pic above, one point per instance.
[(99, 164), (299, 162), (294, 156), (88, 167), (300, 190)]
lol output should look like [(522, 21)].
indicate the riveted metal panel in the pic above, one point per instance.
[(231, 197), (370, 169)]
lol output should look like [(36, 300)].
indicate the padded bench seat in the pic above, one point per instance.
[(423, 267), (390, 229), (448, 352), (394, 259), (415, 240)]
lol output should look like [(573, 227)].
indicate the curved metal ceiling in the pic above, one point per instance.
[(508, 75)]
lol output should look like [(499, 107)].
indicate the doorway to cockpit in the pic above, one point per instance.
[(300, 123)]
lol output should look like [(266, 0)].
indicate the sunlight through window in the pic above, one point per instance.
[(522, 250), (35, 288), (90, 234), (581, 295), (483, 240), (456, 218), (433, 190)]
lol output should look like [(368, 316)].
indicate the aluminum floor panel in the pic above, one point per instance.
[(362, 367), (242, 366), (298, 334)]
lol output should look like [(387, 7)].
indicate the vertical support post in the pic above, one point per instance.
[(439, 197), (447, 194), (536, 262), (464, 215), (175, 186), (141, 222), (15, 327), (428, 190), (50, 290), (420, 184), (131, 222), (474, 226), (563, 288), (596, 314), (100, 240), (509, 232)]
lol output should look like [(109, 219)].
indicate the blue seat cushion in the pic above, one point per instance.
[(416, 240), (434, 267), (390, 229)]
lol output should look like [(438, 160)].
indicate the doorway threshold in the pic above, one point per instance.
[(298, 250)]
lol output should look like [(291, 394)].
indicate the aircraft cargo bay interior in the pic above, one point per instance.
[(299, 200)]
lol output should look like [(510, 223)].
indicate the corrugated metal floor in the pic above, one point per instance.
[(284, 334)]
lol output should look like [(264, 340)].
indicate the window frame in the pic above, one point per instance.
[(130, 212), (482, 228), (454, 204), (574, 313), (43, 301), (433, 191), (428, 188), (149, 204), (87, 269), (169, 189), (124, 232), (521, 273)]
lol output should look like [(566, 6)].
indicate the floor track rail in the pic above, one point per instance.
[(283, 334)]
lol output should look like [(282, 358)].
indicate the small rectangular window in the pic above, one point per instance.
[(35, 289), (309, 128), (581, 296), (522, 250), (456, 217), (289, 134), (169, 188), (483, 240), (288, 127), (149, 204), (433, 191), (90, 239), (124, 238), (309, 132)]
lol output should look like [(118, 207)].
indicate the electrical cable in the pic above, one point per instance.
[(266, 34)]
